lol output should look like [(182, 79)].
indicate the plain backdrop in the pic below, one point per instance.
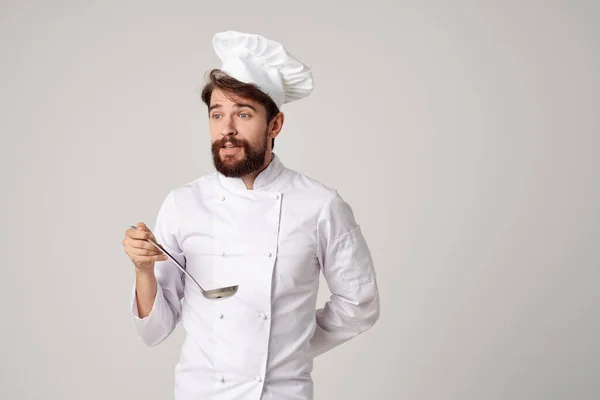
[(464, 135)]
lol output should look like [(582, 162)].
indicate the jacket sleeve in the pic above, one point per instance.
[(347, 267), (166, 311)]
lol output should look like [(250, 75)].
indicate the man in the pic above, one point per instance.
[(259, 225)]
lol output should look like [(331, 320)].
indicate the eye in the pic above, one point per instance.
[(216, 116), (244, 115)]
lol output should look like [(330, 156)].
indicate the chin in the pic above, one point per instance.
[(232, 157)]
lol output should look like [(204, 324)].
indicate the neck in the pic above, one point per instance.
[(250, 178)]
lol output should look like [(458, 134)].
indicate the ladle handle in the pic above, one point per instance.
[(158, 246)]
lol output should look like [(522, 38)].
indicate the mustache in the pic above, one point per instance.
[(234, 141)]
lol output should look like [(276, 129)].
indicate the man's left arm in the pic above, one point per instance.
[(348, 268)]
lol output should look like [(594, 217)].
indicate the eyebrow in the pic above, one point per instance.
[(237, 105)]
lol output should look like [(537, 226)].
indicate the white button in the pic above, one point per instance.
[(222, 198), (258, 379), (276, 197), (264, 316), (220, 315), (222, 379), (223, 254), (268, 254)]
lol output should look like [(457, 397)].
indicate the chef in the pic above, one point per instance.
[(257, 224)]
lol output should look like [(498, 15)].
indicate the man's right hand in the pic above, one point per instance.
[(142, 253)]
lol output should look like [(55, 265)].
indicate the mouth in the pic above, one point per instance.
[(229, 149)]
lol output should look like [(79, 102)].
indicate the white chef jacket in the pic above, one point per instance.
[(273, 242)]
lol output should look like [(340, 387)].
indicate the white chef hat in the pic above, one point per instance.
[(255, 59)]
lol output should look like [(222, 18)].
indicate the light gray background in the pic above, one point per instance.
[(464, 135)]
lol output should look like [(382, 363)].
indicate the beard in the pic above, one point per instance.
[(254, 157)]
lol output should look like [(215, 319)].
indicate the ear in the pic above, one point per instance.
[(276, 125)]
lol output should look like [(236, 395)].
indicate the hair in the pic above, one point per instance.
[(230, 86)]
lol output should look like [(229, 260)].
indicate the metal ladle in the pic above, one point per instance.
[(212, 294)]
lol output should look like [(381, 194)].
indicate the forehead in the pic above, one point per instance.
[(223, 99)]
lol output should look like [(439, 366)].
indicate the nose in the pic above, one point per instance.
[(228, 128)]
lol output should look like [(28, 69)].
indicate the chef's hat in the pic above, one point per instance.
[(255, 59)]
